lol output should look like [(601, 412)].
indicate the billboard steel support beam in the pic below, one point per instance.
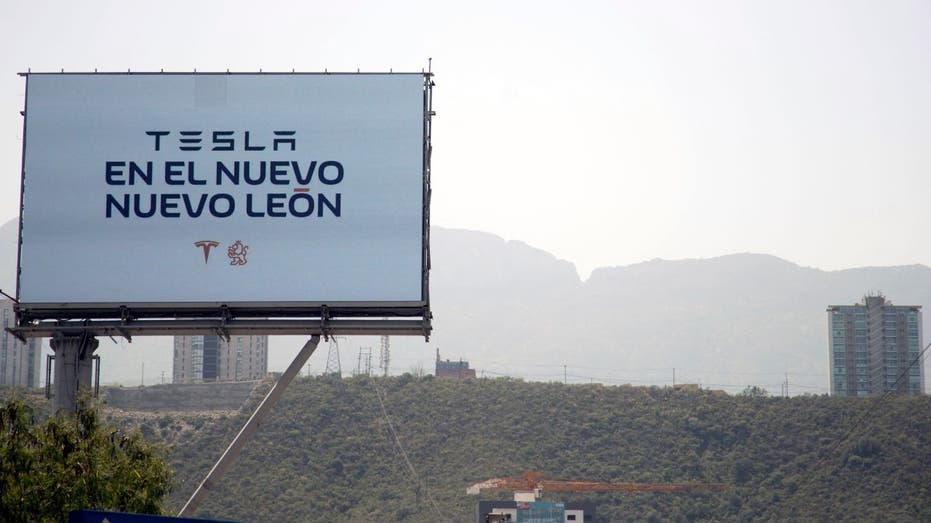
[(250, 428), (191, 327), (74, 356)]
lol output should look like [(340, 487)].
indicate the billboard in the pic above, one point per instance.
[(268, 195)]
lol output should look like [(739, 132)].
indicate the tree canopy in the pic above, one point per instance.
[(69, 462)]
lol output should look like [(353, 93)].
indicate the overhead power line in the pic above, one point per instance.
[(410, 466), (861, 421)]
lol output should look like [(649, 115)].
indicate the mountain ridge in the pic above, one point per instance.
[(9, 238), (509, 308)]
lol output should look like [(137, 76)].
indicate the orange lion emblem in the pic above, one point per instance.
[(237, 253)]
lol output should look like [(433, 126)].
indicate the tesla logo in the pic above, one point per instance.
[(206, 245), (237, 253)]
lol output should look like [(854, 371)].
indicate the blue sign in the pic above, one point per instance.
[(541, 512), (101, 516)]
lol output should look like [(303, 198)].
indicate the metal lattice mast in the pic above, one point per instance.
[(332, 360), (385, 355)]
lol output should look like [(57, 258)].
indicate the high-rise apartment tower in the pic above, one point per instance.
[(873, 348), (211, 358)]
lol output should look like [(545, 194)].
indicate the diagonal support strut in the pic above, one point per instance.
[(250, 428)]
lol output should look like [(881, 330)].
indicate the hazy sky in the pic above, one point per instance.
[(604, 132), (607, 133)]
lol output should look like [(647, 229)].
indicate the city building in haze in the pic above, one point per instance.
[(873, 348), (453, 369), (20, 363), (212, 358)]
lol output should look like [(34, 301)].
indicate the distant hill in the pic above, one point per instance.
[(342, 451), (726, 322), (511, 309)]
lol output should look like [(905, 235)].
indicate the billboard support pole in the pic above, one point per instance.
[(74, 356), (250, 428)]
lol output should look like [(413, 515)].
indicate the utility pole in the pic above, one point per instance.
[(364, 365), (565, 376)]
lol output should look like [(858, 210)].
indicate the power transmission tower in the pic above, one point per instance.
[(332, 360), (364, 366), (385, 355)]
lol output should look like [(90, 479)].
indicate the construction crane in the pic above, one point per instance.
[(535, 483)]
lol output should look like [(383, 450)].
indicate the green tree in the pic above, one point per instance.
[(754, 392), (72, 462)]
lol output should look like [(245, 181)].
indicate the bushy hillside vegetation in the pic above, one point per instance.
[(329, 452)]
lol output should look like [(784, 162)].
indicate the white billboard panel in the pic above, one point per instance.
[(189, 189)]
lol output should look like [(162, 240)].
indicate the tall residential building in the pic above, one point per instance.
[(871, 344), (211, 358), (20, 363)]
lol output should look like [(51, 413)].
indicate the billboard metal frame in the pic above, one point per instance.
[(232, 318)]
